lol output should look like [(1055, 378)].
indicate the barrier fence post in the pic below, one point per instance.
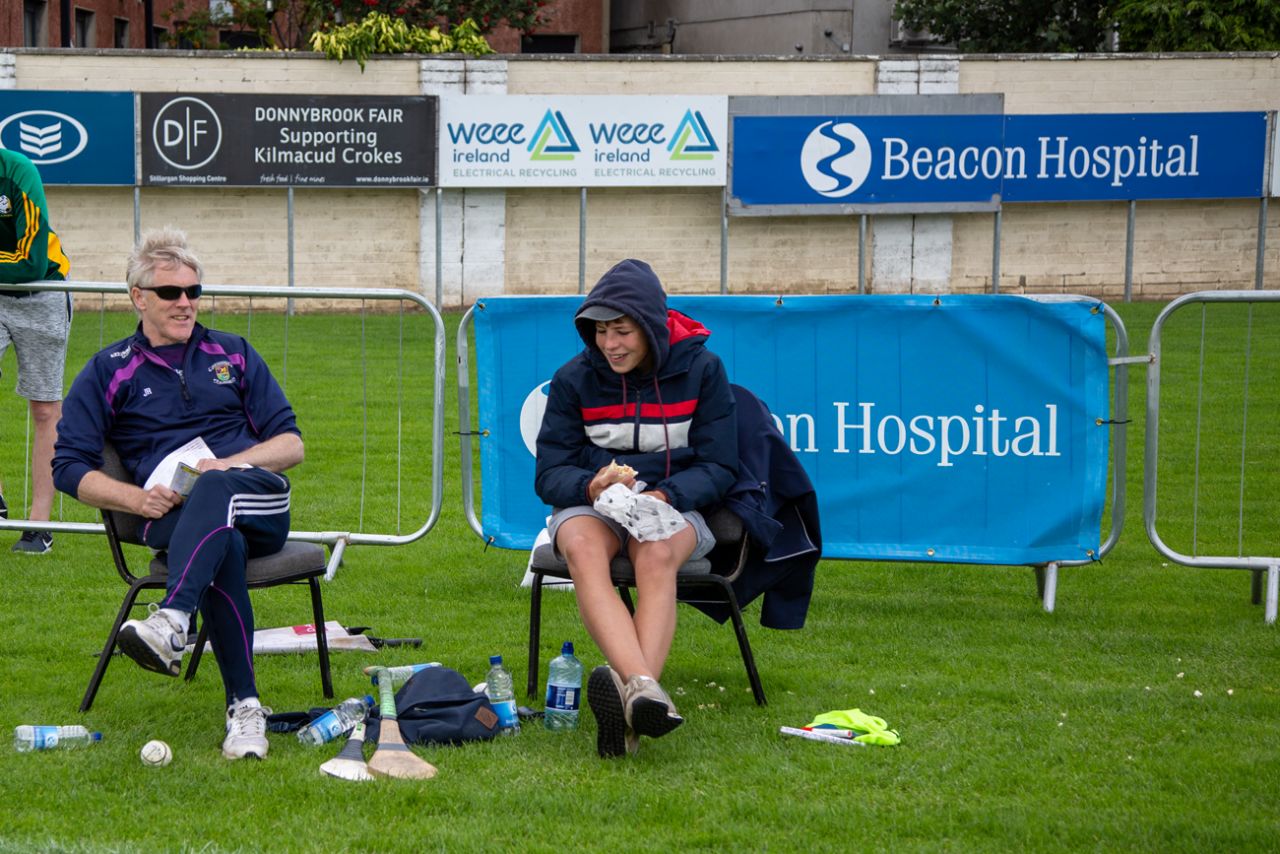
[(582, 242), (1273, 589), (1128, 251), (724, 240), (439, 248), (862, 254), (995, 252), (289, 205)]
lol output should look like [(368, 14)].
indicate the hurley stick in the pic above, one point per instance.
[(393, 758), (349, 763)]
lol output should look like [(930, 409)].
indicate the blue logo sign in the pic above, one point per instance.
[(692, 125), (72, 137), (553, 124), (986, 159)]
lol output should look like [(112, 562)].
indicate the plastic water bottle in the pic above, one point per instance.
[(564, 690), (337, 721), (27, 738), (401, 674), (501, 692)]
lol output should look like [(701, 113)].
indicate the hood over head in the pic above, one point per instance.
[(630, 287)]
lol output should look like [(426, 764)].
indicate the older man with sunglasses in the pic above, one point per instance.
[(171, 382)]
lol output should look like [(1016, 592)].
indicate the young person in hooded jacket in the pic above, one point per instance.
[(646, 393)]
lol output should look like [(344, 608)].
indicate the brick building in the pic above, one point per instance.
[(573, 26)]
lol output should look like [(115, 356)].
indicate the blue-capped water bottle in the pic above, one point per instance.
[(337, 721), (27, 738), (501, 692), (564, 690)]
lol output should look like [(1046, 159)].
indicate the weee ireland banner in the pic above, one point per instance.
[(951, 429), (584, 141)]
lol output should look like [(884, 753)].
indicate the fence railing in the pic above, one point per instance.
[(1217, 447), (345, 364)]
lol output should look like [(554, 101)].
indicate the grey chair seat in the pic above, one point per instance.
[(296, 563), (279, 568)]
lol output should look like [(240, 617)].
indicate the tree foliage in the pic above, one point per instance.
[(1083, 26), (1012, 26), (1198, 25), (291, 24)]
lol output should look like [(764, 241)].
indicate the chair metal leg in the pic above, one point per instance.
[(105, 658), (322, 637), (535, 633), (202, 636), (744, 646)]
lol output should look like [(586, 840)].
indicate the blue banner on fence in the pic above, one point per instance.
[(946, 159), (72, 137), (957, 429)]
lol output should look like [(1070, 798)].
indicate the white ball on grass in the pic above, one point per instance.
[(157, 753)]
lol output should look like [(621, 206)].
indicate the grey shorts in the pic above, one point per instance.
[(705, 540), (37, 326)]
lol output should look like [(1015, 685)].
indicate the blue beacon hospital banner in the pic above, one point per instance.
[(75, 138), (961, 430), (983, 159)]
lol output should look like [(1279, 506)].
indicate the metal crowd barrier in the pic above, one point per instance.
[(1046, 575), (336, 540), (1215, 425)]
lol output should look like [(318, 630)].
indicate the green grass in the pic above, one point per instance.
[(1020, 729)]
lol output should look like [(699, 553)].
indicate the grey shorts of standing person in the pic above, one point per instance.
[(37, 326), (558, 517)]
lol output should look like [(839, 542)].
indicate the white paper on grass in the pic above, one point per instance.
[(302, 639), (646, 518)]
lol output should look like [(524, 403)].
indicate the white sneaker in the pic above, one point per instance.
[(156, 643), (246, 732)]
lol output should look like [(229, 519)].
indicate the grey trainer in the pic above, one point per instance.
[(649, 709), (155, 643)]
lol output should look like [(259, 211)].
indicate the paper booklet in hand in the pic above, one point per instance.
[(178, 469)]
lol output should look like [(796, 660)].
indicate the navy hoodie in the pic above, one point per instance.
[(674, 424)]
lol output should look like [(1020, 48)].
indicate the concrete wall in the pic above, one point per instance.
[(526, 240)]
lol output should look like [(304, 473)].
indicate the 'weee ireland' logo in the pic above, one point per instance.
[(835, 159), (565, 146), (702, 146)]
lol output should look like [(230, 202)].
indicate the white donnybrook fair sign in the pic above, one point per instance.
[(584, 141)]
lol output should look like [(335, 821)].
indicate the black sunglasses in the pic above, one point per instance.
[(170, 293)]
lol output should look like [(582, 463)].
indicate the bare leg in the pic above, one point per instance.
[(588, 545), (656, 565), (45, 415)]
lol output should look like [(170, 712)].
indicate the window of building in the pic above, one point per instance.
[(550, 43), (235, 39), (184, 43), (160, 36), (33, 20), (84, 28), (121, 37)]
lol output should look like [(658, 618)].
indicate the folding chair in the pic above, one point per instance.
[(713, 574), (294, 564)]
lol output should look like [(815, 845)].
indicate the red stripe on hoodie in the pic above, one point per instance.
[(617, 412)]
